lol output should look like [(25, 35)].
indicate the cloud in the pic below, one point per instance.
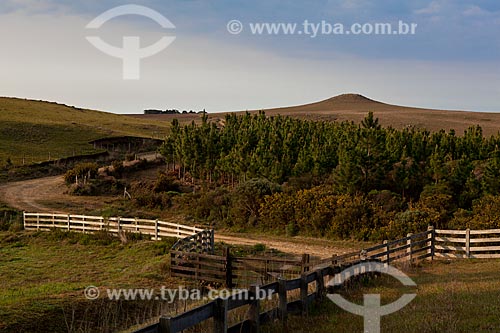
[(32, 6), (431, 9), (478, 12)]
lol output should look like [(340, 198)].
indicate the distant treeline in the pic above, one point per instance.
[(171, 111)]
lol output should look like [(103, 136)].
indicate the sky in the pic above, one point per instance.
[(452, 61)]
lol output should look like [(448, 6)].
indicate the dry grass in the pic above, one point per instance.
[(352, 107), (456, 296)]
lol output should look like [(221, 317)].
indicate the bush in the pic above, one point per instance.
[(10, 219), (144, 196), (259, 247), (247, 199), (82, 172), (87, 189), (166, 183), (118, 169), (410, 221)]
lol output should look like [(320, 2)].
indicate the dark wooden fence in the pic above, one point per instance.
[(310, 285), (200, 242), (230, 271)]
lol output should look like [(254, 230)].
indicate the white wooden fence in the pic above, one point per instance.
[(480, 244), (115, 225)]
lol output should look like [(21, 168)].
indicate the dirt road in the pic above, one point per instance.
[(48, 195), (321, 248), (25, 195)]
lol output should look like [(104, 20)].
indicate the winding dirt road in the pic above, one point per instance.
[(26, 195), (49, 195)]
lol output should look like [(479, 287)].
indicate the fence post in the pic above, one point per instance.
[(320, 285), (156, 229), (388, 258), (165, 325), (467, 243), (53, 221), (409, 250), (37, 221), (197, 272), (431, 239), (136, 224), (254, 311), (24, 219), (69, 222), (303, 293), (212, 241), (118, 226), (220, 316), (305, 263), (83, 224), (229, 268), (282, 312)]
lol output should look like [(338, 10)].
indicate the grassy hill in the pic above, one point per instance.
[(354, 107), (35, 129)]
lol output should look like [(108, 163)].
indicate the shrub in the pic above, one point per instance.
[(143, 196), (118, 169), (259, 247), (248, 197), (82, 172), (165, 183), (10, 219)]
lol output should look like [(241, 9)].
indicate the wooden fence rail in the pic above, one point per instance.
[(219, 308), (115, 225), (200, 242), (479, 244), (233, 271), (225, 269)]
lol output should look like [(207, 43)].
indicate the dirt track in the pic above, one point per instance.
[(24, 195), (36, 194), (297, 246), (47, 195)]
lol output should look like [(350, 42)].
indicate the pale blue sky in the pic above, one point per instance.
[(452, 62)]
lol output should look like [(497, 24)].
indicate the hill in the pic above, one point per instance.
[(354, 107), (36, 130)]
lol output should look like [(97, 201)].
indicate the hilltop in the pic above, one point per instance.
[(354, 107)]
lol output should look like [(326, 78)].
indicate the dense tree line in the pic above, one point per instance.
[(378, 178)]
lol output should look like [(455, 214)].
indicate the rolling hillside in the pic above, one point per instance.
[(35, 129), (354, 107)]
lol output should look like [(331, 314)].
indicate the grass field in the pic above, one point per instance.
[(44, 275), (36, 130), (452, 296)]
